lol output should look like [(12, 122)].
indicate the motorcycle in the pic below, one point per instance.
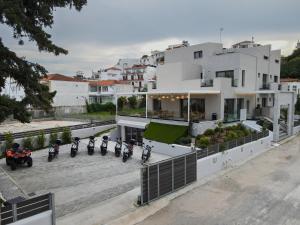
[(146, 152), (74, 147), (118, 148), (91, 145), (104, 144), (53, 150), (128, 150)]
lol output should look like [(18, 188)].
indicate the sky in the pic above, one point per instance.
[(105, 31)]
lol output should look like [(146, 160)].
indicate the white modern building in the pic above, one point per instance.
[(71, 93), (291, 84), (298, 45), (13, 90), (200, 84), (103, 91)]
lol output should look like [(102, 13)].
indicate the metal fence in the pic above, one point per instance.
[(27, 208), (216, 148), (58, 129), (161, 178)]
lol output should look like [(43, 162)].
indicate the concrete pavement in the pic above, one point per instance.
[(263, 191)]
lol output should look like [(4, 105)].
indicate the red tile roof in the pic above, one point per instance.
[(112, 68), (60, 77), (107, 82)]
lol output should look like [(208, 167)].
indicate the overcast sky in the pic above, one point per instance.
[(104, 31)]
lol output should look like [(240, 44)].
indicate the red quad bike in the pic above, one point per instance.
[(16, 156)]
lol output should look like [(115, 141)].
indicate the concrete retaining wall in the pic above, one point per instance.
[(44, 218), (81, 133), (221, 161), (167, 149)]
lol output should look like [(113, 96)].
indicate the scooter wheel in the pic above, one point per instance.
[(29, 162)]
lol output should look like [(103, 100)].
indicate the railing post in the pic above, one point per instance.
[(158, 194), (14, 212), (52, 207), (172, 174)]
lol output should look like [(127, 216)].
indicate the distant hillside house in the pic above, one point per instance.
[(291, 84), (71, 93)]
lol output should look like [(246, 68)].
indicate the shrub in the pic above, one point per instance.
[(132, 101), (66, 135), (203, 142), (9, 140), (53, 137), (142, 103), (40, 140), (209, 132), (88, 107), (121, 102), (184, 141), (27, 143), (231, 135)]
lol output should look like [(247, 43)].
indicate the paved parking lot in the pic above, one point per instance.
[(77, 182)]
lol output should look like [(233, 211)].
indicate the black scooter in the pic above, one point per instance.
[(103, 147), (53, 150), (91, 145), (128, 150), (146, 152), (74, 147), (118, 148)]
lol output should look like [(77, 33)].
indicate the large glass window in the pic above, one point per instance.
[(197, 106), (135, 134), (198, 54), (227, 74)]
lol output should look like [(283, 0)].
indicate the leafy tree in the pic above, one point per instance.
[(27, 143), (121, 102), (132, 101), (28, 19)]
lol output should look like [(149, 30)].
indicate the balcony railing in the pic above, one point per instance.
[(231, 117), (265, 87), (207, 83), (167, 115)]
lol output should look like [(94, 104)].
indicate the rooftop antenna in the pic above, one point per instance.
[(221, 30)]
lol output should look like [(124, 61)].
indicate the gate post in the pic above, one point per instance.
[(14, 212), (52, 207)]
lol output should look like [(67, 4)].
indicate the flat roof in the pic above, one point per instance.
[(172, 92)]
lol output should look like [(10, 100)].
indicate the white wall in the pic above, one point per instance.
[(201, 127), (69, 93), (167, 149), (44, 218), (221, 161)]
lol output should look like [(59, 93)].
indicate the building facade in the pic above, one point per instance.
[(203, 83)]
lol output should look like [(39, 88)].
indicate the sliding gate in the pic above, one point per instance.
[(164, 177)]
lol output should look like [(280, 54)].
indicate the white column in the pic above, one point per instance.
[(146, 105), (189, 100), (276, 115)]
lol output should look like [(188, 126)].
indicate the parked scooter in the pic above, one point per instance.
[(53, 150), (103, 147), (128, 150), (118, 147), (74, 147), (91, 145), (146, 152)]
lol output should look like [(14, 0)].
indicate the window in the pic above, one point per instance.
[(227, 74), (132, 77), (270, 76), (243, 78), (276, 79), (105, 89), (266, 57), (294, 88), (93, 88), (156, 104), (258, 75), (276, 60), (201, 76), (248, 105), (264, 102), (198, 54)]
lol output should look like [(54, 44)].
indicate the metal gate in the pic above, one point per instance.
[(161, 178)]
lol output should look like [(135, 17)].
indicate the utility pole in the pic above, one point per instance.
[(221, 30)]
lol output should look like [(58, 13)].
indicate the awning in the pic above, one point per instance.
[(130, 123)]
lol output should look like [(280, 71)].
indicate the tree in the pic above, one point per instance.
[(121, 102), (290, 65), (28, 19), (132, 101)]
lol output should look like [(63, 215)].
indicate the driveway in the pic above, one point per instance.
[(264, 191), (77, 182)]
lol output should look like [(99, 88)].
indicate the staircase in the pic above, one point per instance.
[(283, 130)]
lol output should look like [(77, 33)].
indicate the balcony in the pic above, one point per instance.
[(265, 87), (207, 83)]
